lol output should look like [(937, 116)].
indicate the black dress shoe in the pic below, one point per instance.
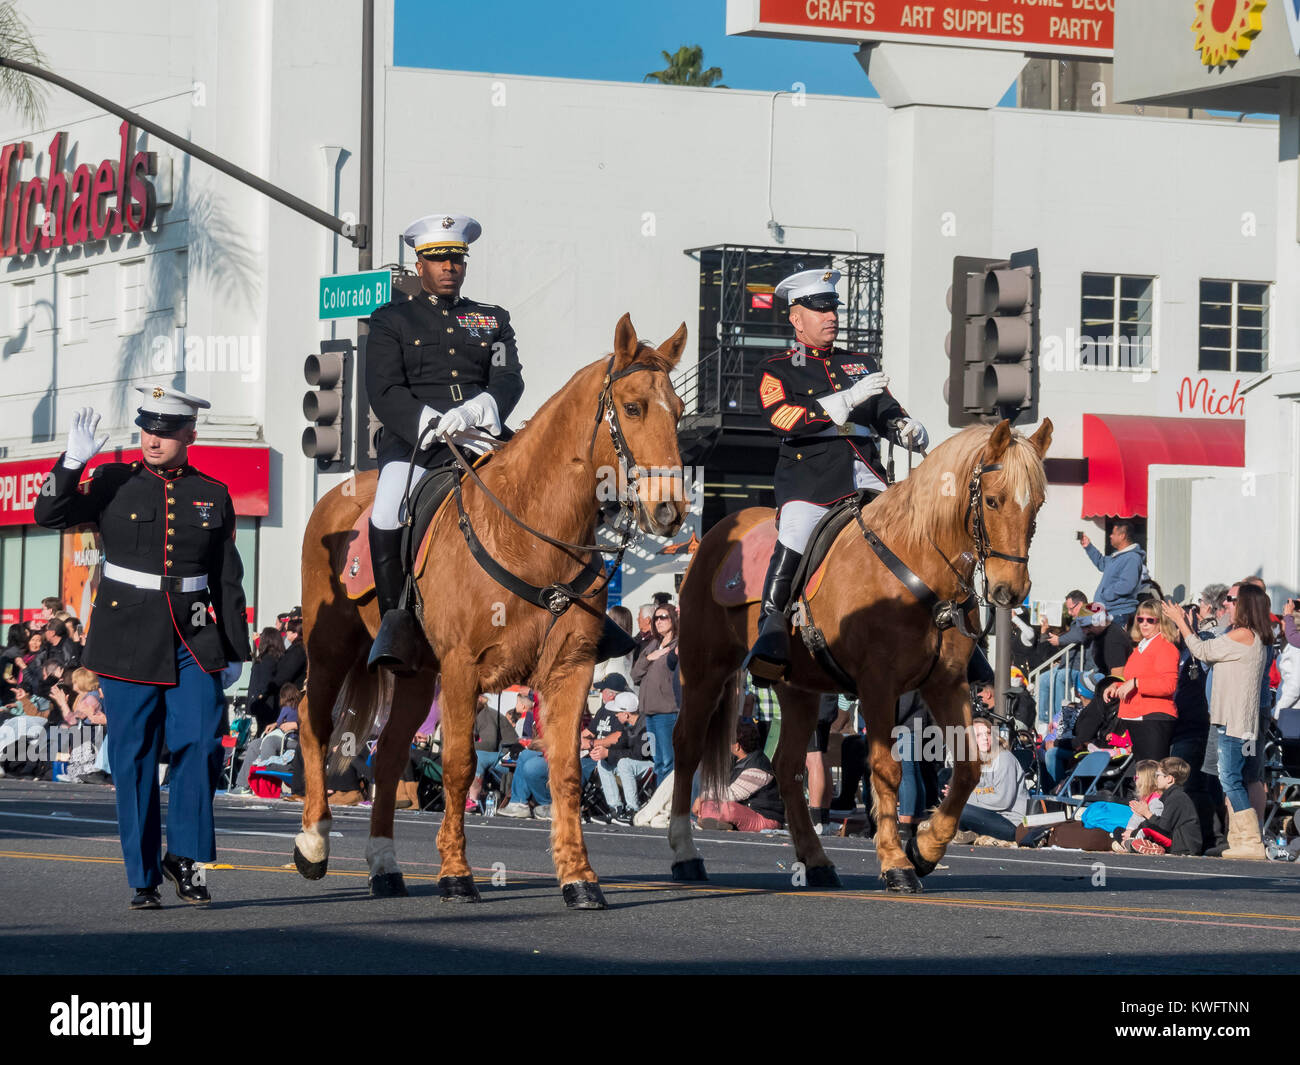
[(180, 871), (146, 898)]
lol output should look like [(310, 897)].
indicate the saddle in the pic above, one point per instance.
[(427, 498), (739, 577)]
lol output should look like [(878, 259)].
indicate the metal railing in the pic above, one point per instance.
[(1060, 660)]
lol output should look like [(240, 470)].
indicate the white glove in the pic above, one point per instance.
[(232, 672), (839, 405), (426, 416), (912, 435), (477, 413), (82, 444)]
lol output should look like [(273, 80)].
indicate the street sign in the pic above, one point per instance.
[(1040, 27), (354, 295)]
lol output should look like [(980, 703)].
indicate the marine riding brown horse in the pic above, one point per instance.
[(615, 418), (976, 494)]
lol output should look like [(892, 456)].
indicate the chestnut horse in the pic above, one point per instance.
[(481, 637), (878, 632)]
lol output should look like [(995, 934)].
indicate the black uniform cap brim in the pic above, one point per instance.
[(152, 422), (822, 301)]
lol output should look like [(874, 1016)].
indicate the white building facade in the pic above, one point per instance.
[(589, 193)]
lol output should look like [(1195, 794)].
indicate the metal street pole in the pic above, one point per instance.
[(1001, 658), (357, 234), (364, 431)]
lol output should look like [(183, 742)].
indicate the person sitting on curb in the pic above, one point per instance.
[(752, 800), (1176, 829)]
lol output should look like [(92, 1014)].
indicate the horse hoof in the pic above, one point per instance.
[(823, 876), (459, 889), (690, 870), (913, 852), (310, 870), (584, 895), (903, 881), (387, 886)]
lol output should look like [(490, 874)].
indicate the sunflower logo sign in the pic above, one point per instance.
[(1225, 29)]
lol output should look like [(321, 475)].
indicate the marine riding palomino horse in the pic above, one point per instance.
[(972, 501), (616, 417)]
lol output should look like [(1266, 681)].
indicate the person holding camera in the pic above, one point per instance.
[(1121, 571)]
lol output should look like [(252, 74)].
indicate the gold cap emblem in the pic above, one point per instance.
[(827, 276), (448, 222), (158, 392)]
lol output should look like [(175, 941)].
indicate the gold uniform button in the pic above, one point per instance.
[(168, 563), (417, 343), (205, 524), (444, 314), (171, 501), (133, 517), (450, 329), (171, 517), (169, 547), (454, 373), (798, 455), (451, 351), (113, 603)]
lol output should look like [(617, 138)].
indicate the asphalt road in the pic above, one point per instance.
[(984, 911)]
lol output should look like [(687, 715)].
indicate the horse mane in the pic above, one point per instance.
[(931, 502)]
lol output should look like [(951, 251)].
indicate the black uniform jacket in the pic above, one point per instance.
[(429, 351), (816, 460), (176, 523)]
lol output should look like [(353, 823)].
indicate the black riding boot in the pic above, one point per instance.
[(396, 643), (769, 658)]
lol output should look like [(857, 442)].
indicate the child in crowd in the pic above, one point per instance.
[(1176, 829), (1116, 817)]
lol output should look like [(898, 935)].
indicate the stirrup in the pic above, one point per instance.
[(396, 647)]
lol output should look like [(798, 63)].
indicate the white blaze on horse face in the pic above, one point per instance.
[(680, 839), (313, 843), (665, 406), (381, 856)]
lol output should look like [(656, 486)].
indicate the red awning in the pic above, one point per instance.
[(1120, 447)]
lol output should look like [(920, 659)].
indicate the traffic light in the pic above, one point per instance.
[(329, 407), (993, 343)]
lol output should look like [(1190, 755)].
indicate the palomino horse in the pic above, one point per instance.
[(481, 637), (975, 495)]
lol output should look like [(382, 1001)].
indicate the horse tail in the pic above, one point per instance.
[(719, 736), (357, 711)]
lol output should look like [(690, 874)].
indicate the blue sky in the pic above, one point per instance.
[(612, 40)]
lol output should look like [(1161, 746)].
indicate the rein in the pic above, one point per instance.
[(558, 596)]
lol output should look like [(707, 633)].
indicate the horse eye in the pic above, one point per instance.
[(632, 410), (992, 503)]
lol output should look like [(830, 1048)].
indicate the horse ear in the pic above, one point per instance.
[(998, 442), (670, 351), (1042, 439), (625, 342)]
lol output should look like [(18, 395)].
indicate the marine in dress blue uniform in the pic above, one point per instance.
[(438, 360), (830, 407), (168, 631)]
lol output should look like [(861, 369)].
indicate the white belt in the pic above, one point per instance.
[(153, 581)]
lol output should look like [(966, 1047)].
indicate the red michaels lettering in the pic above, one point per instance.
[(80, 207), (1203, 395)]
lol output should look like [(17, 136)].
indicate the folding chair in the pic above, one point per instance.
[(1075, 790)]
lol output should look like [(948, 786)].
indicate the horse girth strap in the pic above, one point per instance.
[(555, 598)]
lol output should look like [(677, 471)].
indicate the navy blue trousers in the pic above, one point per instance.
[(190, 717)]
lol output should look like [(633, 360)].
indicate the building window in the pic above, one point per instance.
[(24, 314), (132, 307), (75, 315), (1234, 326), (1116, 313)]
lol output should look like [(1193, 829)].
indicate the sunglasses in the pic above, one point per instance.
[(663, 617), (1146, 621), (1229, 598)]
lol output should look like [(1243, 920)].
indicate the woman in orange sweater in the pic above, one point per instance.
[(1146, 698)]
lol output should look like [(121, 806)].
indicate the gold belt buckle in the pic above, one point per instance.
[(844, 430), (455, 393)]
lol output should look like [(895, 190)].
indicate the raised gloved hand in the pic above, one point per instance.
[(82, 443), (839, 405), (912, 435)]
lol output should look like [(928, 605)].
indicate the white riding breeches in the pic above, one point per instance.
[(388, 496), (798, 519)]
